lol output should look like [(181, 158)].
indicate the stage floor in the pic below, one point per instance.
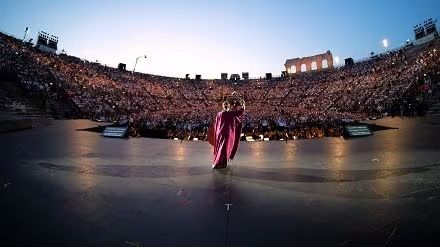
[(63, 187)]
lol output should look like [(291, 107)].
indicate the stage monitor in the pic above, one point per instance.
[(357, 130), (118, 132)]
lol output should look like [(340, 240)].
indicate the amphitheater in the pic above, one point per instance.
[(308, 104), (63, 184)]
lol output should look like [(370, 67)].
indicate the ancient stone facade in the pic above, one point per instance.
[(303, 64)]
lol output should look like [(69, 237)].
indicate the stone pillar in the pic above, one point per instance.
[(308, 65), (319, 64), (330, 63)]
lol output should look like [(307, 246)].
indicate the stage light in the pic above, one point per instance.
[(336, 60), (385, 43)]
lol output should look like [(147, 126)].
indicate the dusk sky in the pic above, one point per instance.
[(210, 37)]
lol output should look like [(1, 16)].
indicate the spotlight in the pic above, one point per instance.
[(385, 43)]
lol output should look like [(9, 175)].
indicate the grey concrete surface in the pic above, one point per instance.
[(63, 187)]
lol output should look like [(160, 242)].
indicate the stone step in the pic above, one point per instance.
[(44, 121), (22, 100), (31, 113), (432, 112)]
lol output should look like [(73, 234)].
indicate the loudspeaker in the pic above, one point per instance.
[(187, 76), (198, 77), (269, 76), (122, 66), (245, 75), (349, 61), (224, 76)]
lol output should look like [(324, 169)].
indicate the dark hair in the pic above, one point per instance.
[(225, 104)]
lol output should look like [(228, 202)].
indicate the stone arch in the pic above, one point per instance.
[(303, 67), (293, 69), (325, 59), (324, 64), (314, 65)]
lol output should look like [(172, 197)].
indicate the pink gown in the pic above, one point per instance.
[(237, 132), (227, 129)]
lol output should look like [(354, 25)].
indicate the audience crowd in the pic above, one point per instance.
[(302, 105)]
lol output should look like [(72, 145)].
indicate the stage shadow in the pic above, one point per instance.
[(375, 127)]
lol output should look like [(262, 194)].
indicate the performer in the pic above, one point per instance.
[(238, 125), (227, 124)]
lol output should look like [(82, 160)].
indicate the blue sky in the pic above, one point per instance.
[(210, 37)]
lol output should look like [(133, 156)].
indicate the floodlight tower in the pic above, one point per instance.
[(144, 56), (25, 33)]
